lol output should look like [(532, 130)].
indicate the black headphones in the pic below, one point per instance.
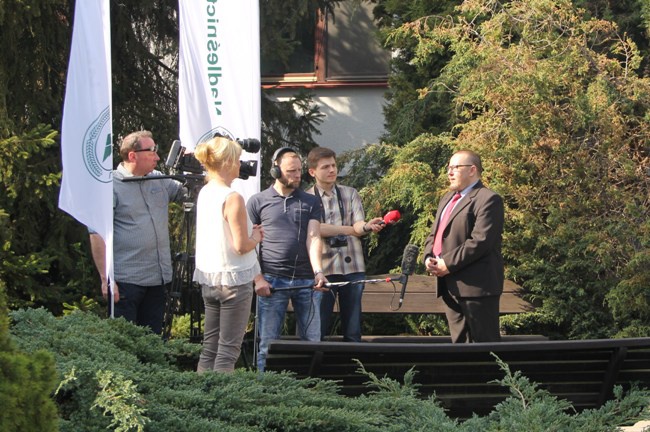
[(275, 170)]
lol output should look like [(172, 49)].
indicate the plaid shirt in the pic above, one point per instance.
[(348, 259)]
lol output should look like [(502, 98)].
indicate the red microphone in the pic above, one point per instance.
[(392, 217)]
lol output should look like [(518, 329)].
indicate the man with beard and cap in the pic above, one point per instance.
[(290, 253)]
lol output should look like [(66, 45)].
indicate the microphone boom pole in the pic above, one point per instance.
[(409, 260)]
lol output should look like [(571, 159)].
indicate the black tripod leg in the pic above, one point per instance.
[(256, 335), (173, 295)]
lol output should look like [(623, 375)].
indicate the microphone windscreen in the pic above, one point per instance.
[(392, 217), (410, 259), (172, 157)]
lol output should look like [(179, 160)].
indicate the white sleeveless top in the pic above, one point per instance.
[(217, 263)]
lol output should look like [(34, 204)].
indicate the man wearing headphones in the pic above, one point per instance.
[(290, 253)]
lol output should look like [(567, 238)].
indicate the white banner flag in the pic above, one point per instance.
[(86, 133), (219, 75)]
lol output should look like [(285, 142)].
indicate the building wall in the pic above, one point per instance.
[(353, 116)]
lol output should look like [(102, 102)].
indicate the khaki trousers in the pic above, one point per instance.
[(227, 310)]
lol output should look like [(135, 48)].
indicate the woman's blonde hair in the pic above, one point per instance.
[(217, 154)]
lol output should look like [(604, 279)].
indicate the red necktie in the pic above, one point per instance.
[(437, 243)]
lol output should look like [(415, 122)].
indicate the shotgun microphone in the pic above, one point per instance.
[(177, 150), (409, 261)]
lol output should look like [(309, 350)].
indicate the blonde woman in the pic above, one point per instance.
[(226, 262)]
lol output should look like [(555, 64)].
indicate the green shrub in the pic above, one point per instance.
[(533, 410), (26, 382), (530, 323), (116, 376)]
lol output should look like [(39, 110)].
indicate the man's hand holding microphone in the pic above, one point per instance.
[(377, 224)]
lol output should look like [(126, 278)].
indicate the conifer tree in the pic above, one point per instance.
[(557, 105)]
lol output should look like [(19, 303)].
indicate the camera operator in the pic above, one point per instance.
[(343, 224), (141, 250)]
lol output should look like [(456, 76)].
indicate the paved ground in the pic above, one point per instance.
[(641, 426)]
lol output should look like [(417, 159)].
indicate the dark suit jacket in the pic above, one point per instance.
[(471, 244)]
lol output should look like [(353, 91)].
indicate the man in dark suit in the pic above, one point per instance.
[(464, 252)]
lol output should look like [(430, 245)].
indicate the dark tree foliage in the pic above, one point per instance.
[(406, 114), (632, 18), (42, 259), (144, 53), (35, 37)]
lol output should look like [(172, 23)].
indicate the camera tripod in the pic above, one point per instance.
[(184, 295)]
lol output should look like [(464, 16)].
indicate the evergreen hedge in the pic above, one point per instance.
[(117, 376), (26, 382)]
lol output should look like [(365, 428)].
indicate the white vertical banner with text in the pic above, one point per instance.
[(219, 75), (86, 131)]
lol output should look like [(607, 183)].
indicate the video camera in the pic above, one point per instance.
[(187, 163)]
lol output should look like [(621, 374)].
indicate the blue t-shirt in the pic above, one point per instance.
[(283, 251)]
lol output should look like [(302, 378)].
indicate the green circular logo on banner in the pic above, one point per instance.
[(217, 131), (97, 148)]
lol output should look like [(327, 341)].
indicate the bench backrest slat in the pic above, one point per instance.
[(583, 372)]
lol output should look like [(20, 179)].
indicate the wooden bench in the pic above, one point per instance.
[(582, 372), (420, 297)]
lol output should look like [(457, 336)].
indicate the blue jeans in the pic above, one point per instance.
[(271, 312), (349, 297), (142, 305)]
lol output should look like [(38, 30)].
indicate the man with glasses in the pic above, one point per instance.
[(464, 252), (141, 250)]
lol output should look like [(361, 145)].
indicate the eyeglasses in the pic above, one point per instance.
[(153, 149), (455, 167)]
